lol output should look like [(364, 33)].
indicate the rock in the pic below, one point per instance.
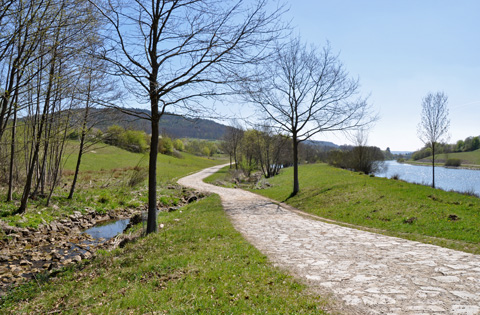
[(77, 258), (192, 199), (172, 209), (410, 220), (86, 255), (25, 263), (53, 226)]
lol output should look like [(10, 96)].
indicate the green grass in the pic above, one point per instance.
[(197, 264), (383, 204), (468, 158), (104, 157), (103, 184), (223, 176)]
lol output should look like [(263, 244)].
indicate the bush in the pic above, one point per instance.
[(178, 145), (135, 141), (367, 160), (165, 145), (130, 140), (453, 162)]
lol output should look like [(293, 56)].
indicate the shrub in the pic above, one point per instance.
[(453, 162), (135, 141), (178, 145), (165, 145)]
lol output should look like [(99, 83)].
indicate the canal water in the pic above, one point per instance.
[(461, 180)]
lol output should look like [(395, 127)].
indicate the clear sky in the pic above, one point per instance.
[(401, 50)]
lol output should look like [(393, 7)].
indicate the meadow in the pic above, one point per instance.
[(197, 263)]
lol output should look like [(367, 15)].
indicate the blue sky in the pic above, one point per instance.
[(401, 50)]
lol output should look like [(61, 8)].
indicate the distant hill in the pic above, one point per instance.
[(174, 126), (321, 144)]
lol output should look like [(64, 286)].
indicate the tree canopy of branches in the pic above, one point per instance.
[(43, 48), (170, 53), (434, 123), (305, 91)]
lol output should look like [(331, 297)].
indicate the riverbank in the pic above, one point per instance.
[(387, 206), (442, 164)]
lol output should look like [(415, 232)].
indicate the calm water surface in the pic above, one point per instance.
[(108, 230), (445, 178)]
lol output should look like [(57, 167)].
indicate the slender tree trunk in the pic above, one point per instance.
[(296, 186), (80, 153), (12, 154), (82, 138), (28, 183), (433, 165)]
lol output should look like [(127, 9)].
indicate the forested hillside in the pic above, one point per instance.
[(174, 126)]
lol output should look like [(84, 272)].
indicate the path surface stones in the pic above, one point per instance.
[(369, 273)]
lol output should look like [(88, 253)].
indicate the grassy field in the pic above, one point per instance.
[(104, 183), (393, 207), (197, 264), (467, 158)]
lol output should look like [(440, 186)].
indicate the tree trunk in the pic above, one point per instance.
[(296, 186), (152, 174), (36, 149), (433, 165), (12, 154), (82, 139)]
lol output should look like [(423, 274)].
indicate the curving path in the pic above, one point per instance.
[(370, 273)]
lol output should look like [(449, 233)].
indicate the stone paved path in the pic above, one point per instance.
[(372, 273)]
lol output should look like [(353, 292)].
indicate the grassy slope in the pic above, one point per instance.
[(104, 157), (197, 264), (104, 175), (468, 158), (384, 204)]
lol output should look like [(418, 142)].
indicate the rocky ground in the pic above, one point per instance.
[(27, 253)]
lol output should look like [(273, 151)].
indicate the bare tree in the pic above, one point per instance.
[(304, 92), (231, 142), (173, 52), (434, 124), (364, 158)]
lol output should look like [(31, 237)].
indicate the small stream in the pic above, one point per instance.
[(108, 229)]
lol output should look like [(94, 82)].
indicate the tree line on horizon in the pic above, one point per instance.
[(469, 144)]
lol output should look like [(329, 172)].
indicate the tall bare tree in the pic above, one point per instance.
[(231, 142), (305, 91), (173, 52), (434, 124)]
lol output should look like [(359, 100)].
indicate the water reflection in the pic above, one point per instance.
[(108, 229)]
